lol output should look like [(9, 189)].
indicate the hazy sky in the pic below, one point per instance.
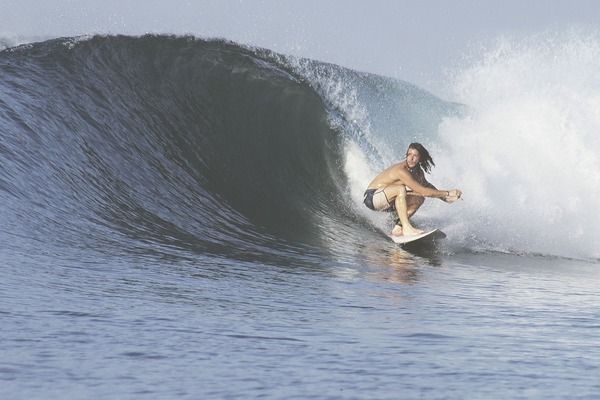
[(411, 40)]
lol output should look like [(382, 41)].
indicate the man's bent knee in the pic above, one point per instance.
[(396, 190)]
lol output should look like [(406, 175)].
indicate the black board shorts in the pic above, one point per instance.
[(376, 200)]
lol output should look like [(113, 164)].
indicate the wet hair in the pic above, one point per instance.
[(426, 161)]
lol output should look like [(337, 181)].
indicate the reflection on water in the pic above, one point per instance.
[(392, 263)]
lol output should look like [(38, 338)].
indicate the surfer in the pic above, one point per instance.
[(403, 188)]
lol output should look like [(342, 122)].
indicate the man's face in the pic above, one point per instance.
[(412, 158)]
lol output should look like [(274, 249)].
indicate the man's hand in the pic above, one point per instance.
[(453, 195)]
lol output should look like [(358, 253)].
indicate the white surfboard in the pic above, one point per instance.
[(404, 239)]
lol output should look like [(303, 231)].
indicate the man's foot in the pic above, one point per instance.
[(410, 231), (397, 231)]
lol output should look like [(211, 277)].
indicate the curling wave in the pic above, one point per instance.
[(118, 143)]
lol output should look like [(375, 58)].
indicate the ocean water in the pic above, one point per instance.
[(182, 218)]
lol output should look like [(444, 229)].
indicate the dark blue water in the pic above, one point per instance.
[(392, 326), (177, 221)]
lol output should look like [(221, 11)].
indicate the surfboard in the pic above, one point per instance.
[(428, 235)]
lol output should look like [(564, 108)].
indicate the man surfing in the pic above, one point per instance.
[(403, 188)]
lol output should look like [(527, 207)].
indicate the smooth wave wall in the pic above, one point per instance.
[(172, 140)]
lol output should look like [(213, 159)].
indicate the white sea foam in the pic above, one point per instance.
[(527, 155)]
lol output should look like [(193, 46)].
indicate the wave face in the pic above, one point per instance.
[(155, 144), (122, 143)]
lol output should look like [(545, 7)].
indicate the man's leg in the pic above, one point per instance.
[(398, 193), (413, 203)]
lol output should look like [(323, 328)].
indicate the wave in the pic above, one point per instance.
[(161, 143), (116, 142)]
